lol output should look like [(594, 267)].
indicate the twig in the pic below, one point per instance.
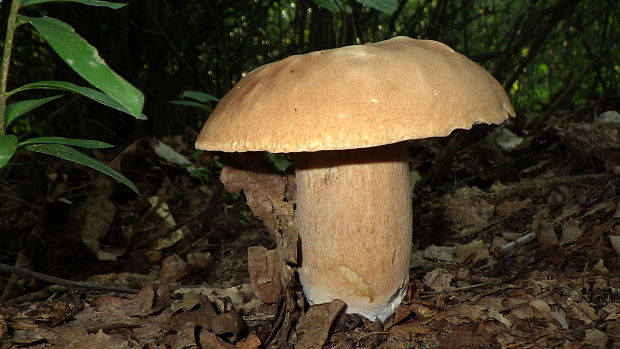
[(463, 289), (16, 199), (5, 268), (524, 240)]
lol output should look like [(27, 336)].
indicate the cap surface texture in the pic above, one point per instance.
[(355, 97)]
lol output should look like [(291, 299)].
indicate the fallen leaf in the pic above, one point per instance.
[(210, 340), (571, 231), (185, 337), (615, 242), (560, 316), (438, 280), (138, 304), (264, 268), (230, 324), (511, 207), (475, 250), (467, 208), (544, 230), (74, 338), (173, 268), (249, 342), (410, 329), (314, 328), (600, 267)]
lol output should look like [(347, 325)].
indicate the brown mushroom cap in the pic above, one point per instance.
[(355, 97)]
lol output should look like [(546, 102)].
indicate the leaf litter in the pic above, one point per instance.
[(517, 246)]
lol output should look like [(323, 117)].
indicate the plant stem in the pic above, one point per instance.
[(6, 59)]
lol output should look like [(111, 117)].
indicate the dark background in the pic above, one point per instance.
[(551, 56)]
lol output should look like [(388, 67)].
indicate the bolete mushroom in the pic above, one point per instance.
[(345, 114)]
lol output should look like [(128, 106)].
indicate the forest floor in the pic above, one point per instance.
[(184, 245)]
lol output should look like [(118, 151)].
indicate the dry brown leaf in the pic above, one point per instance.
[(313, 330), (210, 340), (202, 317), (92, 321), (230, 324), (411, 329), (249, 342), (615, 242), (438, 280), (264, 267), (571, 231), (185, 337), (173, 268), (74, 338), (461, 313), (596, 338), (544, 230), (511, 207), (265, 194), (189, 301), (475, 250), (153, 329), (467, 209), (99, 211), (467, 336), (600, 267), (138, 304), (34, 335), (271, 198)]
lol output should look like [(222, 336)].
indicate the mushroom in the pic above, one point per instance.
[(345, 114)]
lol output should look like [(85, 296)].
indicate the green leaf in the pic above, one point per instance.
[(112, 5), (329, 5), (192, 104), (279, 161), (68, 153), (8, 145), (200, 96), (93, 94), (386, 6), (17, 109), (84, 143), (85, 60)]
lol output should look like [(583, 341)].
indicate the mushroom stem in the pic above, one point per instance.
[(354, 221)]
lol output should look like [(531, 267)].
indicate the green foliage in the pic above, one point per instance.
[(386, 6), (199, 100), (8, 146), (93, 94), (112, 5), (336, 6), (112, 90), (68, 153), (85, 60), (279, 161), (17, 109)]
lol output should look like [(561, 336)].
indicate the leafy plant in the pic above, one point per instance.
[(336, 6), (196, 99), (109, 88)]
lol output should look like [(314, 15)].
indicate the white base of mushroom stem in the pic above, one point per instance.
[(354, 221)]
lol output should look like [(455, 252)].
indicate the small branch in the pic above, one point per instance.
[(6, 59), (463, 289), (5, 268), (524, 240)]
